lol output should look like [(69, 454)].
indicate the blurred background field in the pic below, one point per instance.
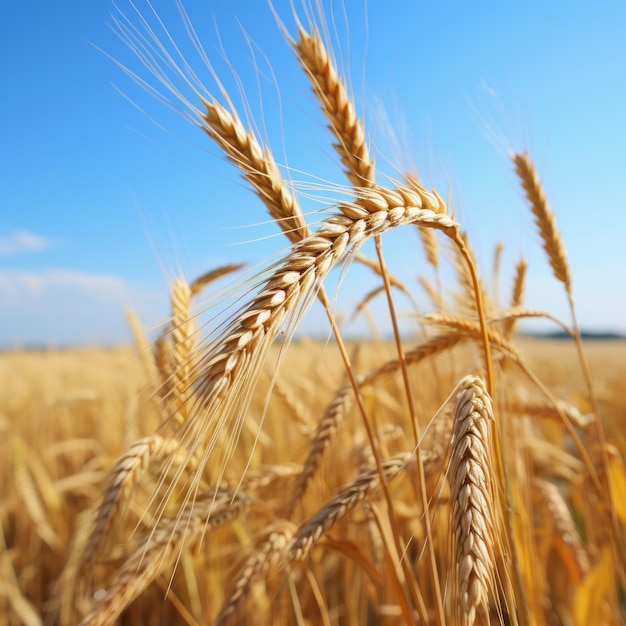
[(65, 415)]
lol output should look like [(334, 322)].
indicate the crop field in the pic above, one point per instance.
[(229, 470), (80, 429)]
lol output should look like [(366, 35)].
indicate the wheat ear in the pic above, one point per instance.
[(549, 411), (175, 349), (208, 277), (230, 367), (312, 529), (297, 409), (29, 494), (321, 440), (123, 478), (470, 328), (333, 95), (544, 218), (566, 538), (142, 344), (258, 565), (160, 548), (340, 405), (258, 166), (182, 332), (555, 249), (517, 297), (472, 498)]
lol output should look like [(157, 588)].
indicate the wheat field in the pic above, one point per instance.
[(234, 471)]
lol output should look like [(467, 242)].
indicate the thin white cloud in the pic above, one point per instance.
[(20, 241), (55, 306), (22, 285)]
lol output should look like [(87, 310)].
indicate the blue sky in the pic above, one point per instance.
[(102, 202)]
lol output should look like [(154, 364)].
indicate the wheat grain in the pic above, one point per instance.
[(428, 237)]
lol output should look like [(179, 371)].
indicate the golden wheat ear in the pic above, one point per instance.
[(160, 548), (232, 364), (338, 106), (324, 433), (269, 554), (553, 245), (544, 218), (258, 166), (517, 297), (472, 499), (312, 529), (176, 348), (124, 477)]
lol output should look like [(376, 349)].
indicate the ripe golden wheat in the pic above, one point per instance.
[(436, 480)]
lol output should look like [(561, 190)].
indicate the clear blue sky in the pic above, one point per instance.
[(100, 207)]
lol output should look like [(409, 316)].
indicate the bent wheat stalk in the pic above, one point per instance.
[(555, 250), (230, 367)]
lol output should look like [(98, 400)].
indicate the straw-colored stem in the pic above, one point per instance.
[(416, 433)]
